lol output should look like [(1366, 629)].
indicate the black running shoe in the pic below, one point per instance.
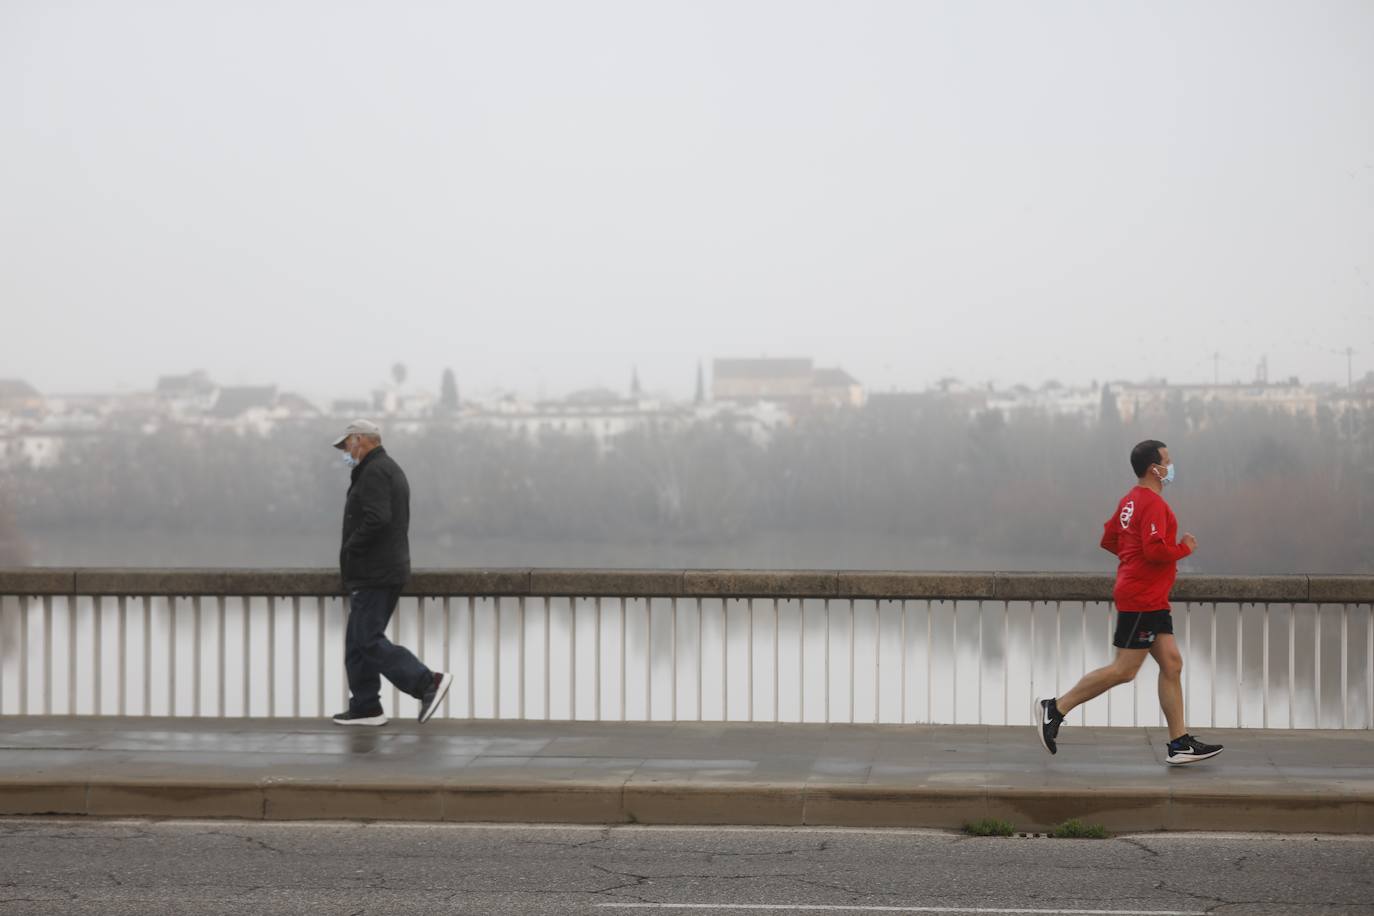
[(434, 695), (1047, 726), (373, 717), (1188, 749)]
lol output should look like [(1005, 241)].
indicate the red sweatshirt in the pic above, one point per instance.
[(1143, 534)]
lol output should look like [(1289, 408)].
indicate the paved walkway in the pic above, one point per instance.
[(698, 773)]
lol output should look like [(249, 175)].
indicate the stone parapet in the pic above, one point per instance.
[(687, 583)]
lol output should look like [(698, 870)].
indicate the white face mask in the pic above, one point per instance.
[(1168, 477), (349, 461)]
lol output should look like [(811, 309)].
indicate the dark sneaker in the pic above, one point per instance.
[(373, 717), (434, 695), (1047, 726), (1188, 749)]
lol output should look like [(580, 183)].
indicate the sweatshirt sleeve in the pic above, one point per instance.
[(1111, 536), (1153, 527)]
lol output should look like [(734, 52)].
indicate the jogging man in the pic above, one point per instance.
[(374, 562), (1142, 533)]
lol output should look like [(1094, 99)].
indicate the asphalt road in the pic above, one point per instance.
[(85, 866)]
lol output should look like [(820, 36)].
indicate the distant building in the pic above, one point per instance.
[(346, 407), (1157, 398), (191, 393), (761, 379), (599, 413), (795, 382), (20, 397), (835, 388), (234, 402)]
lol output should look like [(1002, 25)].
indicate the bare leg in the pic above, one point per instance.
[(1122, 670), (1170, 660)]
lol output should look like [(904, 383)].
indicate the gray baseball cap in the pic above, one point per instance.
[(361, 428)]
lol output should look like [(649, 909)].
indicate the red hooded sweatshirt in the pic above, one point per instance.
[(1143, 534)]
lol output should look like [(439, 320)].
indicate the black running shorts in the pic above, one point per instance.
[(1138, 629)]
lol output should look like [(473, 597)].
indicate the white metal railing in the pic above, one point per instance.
[(1264, 664)]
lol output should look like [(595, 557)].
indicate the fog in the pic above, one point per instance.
[(543, 194), (938, 198)]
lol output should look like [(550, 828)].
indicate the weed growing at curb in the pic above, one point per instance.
[(1074, 829), (989, 827)]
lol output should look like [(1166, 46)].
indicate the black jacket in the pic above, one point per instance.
[(376, 525)]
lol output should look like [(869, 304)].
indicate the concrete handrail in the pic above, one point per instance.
[(687, 583)]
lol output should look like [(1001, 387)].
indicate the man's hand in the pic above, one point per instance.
[(1190, 542)]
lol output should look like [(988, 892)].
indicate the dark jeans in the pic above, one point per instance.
[(369, 655)]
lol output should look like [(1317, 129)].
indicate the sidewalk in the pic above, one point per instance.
[(685, 773)]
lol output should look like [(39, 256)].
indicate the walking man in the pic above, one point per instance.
[(1142, 533), (374, 563)]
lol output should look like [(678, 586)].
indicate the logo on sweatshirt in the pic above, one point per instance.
[(1126, 512)]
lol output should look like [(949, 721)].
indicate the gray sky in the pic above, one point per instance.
[(543, 194)]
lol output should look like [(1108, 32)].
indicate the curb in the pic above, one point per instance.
[(693, 803)]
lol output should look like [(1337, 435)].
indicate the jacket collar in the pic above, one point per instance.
[(358, 468)]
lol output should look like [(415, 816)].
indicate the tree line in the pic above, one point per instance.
[(1264, 491)]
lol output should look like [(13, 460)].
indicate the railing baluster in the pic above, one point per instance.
[(123, 664), (749, 662), (520, 659), (572, 658), (623, 641), (596, 663), (1240, 661), (195, 656), (827, 660), (1345, 634), (321, 623), (1317, 669), (1292, 663), (724, 660), (1212, 673), (245, 609), (70, 602), (1264, 676), (97, 654), (777, 626), (673, 653), (701, 653), (980, 663), (472, 657), (47, 655), (223, 693), (1006, 659), (548, 658), (272, 659), (648, 659), (1369, 667), (902, 710), (1083, 646), (930, 682), (24, 608), (1034, 691), (296, 656), (496, 659), (801, 660), (954, 654), (877, 658), (448, 653), (853, 612), (147, 603)]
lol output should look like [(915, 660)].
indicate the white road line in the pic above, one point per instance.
[(893, 909)]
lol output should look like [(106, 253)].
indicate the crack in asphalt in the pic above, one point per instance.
[(1138, 844)]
